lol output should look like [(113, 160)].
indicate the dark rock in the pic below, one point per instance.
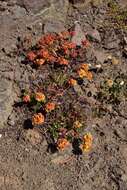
[(77, 1), (125, 51)]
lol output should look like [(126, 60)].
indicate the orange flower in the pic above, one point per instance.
[(88, 138), (26, 98), (38, 119), (77, 125), (63, 61), (64, 34), (50, 106), (31, 56), (40, 97), (82, 73), (41, 41), (87, 142), (72, 82), (68, 45), (39, 61), (62, 143), (89, 76), (72, 45), (66, 51), (86, 147), (85, 67), (51, 58), (49, 39), (43, 53)]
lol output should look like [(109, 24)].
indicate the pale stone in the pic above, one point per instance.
[(6, 100), (79, 34)]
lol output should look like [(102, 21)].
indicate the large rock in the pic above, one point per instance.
[(53, 26), (6, 100), (34, 6), (94, 35), (58, 10), (79, 34)]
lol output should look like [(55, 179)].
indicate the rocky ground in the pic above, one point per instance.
[(24, 160)]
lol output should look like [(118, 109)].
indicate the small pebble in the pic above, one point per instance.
[(109, 57), (98, 66), (122, 83)]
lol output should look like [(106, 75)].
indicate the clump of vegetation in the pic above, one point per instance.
[(113, 91), (61, 120), (118, 15)]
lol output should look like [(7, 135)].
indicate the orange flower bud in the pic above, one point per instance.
[(31, 56), (26, 98), (72, 82), (51, 58), (50, 106), (39, 61), (77, 125), (43, 53), (63, 61)]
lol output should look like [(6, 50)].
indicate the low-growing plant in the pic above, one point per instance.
[(113, 91), (61, 55), (118, 15)]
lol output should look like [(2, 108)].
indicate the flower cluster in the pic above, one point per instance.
[(77, 124), (56, 48), (83, 71), (36, 99), (87, 142), (59, 52)]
